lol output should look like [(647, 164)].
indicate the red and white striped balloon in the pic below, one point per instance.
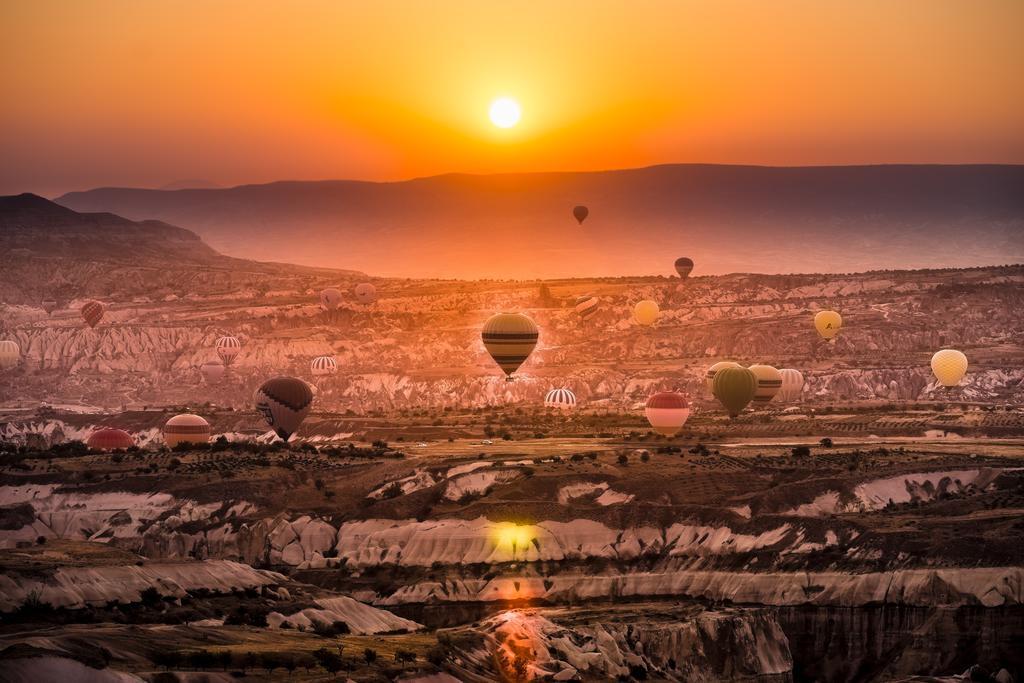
[(228, 349)]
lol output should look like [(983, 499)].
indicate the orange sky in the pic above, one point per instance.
[(123, 92)]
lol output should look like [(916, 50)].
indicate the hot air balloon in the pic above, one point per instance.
[(284, 403), (510, 339), (92, 312), (580, 213), (10, 354), (684, 266), (769, 381), (735, 388), (709, 376), (667, 412), (365, 293), (323, 365), (330, 298), (212, 371), (949, 366), (828, 324), (646, 312), (186, 428), (792, 385), (228, 349), (49, 305), (110, 439), (562, 399), (587, 306)]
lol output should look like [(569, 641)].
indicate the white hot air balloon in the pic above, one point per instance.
[(323, 365), (792, 385), (563, 399), (186, 428)]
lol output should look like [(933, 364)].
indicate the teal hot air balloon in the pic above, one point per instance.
[(735, 389)]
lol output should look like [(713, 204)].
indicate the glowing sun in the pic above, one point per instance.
[(505, 112)]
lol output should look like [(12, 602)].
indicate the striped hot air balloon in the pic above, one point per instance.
[(365, 293), (684, 266), (510, 339), (769, 381), (284, 403), (949, 367), (667, 411), (10, 354), (562, 399), (110, 439), (212, 371), (330, 298), (735, 389), (228, 349), (587, 306), (792, 385), (92, 313), (323, 365), (709, 376), (186, 428)]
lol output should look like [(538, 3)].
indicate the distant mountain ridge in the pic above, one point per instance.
[(727, 218)]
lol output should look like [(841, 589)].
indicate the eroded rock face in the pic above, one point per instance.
[(728, 645)]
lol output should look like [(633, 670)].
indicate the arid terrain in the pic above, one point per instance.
[(432, 521)]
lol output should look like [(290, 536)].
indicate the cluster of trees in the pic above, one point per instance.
[(330, 661)]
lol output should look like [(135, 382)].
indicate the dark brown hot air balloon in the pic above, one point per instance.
[(510, 339), (284, 403), (92, 313), (684, 266), (580, 213)]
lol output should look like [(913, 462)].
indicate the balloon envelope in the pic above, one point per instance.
[(186, 428), (769, 381), (109, 439), (330, 298), (323, 365), (684, 266), (580, 213), (735, 388), (563, 399), (828, 323), (10, 354), (667, 411), (510, 339), (646, 312), (284, 403), (792, 385), (587, 306), (50, 305), (709, 376), (365, 293), (228, 349), (212, 371), (949, 367), (92, 313)]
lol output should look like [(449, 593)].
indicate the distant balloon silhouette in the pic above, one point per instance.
[(667, 411), (684, 266), (228, 348), (580, 213), (949, 367), (330, 298), (49, 305), (735, 389), (186, 428), (10, 354), (284, 403), (510, 339), (212, 371), (92, 312)]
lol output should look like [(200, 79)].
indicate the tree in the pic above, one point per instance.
[(269, 661), (826, 442), (369, 655), (623, 459), (330, 661)]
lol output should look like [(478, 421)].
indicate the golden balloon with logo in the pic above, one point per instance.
[(828, 324)]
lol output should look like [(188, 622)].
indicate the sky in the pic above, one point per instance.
[(143, 94)]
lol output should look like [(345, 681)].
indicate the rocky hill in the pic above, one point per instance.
[(727, 218)]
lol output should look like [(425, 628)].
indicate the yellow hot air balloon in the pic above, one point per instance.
[(510, 339), (769, 381), (646, 312), (709, 376), (828, 324), (949, 366), (10, 354), (735, 388)]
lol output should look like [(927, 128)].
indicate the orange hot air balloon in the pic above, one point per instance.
[(186, 428), (92, 312)]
